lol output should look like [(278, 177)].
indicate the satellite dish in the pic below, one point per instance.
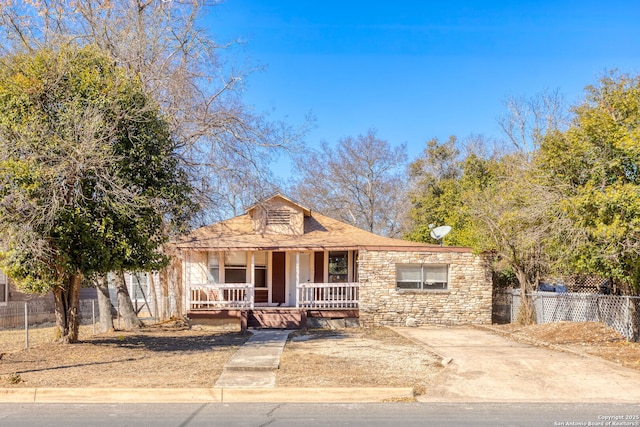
[(438, 233)]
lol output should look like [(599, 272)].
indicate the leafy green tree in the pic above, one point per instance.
[(495, 204), (595, 163), (443, 183), (90, 181), (192, 74)]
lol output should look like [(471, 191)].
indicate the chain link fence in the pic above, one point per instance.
[(17, 314), (621, 313)]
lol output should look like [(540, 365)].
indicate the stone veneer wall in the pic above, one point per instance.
[(467, 301)]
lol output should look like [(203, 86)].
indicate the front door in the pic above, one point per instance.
[(303, 275), (278, 278)]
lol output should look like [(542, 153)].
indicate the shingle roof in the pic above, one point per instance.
[(320, 233)]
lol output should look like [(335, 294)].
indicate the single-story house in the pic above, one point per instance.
[(281, 261)]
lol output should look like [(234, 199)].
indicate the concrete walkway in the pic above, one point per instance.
[(481, 366), (254, 365)]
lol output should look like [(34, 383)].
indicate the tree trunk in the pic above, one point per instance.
[(154, 296), (164, 288), (176, 283), (526, 313), (125, 307), (104, 304), (67, 309)]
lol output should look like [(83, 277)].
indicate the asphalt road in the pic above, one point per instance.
[(288, 414)]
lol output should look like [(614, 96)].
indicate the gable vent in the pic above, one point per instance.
[(280, 216)]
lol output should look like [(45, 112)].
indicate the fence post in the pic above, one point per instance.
[(26, 325), (629, 325)]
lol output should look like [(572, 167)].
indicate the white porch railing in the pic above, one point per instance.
[(328, 295), (227, 295)]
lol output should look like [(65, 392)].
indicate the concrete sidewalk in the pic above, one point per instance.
[(255, 363), (206, 395), (485, 367)]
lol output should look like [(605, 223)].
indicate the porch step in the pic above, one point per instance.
[(275, 318)]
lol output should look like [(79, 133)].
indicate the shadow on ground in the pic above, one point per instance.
[(191, 343)]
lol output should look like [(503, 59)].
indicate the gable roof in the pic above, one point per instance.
[(250, 209), (320, 233)]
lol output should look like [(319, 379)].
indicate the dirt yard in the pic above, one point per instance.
[(176, 356), (591, 338), (170, 355), (355, 357), (173, 355)]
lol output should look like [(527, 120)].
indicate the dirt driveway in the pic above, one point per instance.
[(486, 367)]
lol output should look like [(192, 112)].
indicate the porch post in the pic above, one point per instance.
[(252, 276), (297, 279), (186, 280)]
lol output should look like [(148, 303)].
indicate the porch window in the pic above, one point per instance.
[(235, 267), (4, 289), (214, 267), (260, 269), (422, 276), (338, 266)]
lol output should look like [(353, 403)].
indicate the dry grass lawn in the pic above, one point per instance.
[(158, 356), (592, 338), (174, 355), (177, 356), (355, 357)]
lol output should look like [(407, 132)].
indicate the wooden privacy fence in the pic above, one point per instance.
[(621, 313), (328, 295)]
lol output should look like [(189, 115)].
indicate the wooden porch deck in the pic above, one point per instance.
[(269, 317)]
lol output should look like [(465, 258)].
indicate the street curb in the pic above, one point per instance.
[(206, 395)]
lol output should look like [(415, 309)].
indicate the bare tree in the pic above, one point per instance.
[(528, 120), (359, 182), (166, 44)]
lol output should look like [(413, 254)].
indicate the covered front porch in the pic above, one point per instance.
[(260, 284)]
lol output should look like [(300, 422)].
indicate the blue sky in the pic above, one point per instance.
[(415, 70)]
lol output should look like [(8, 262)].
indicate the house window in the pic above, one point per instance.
[(338, 266), (138, 286), (214, 267), (279, 217), (425, 277), (4, 289), (260, 269), (235, 267)]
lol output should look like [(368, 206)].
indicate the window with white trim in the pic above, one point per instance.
[(214, 267), (424, 277), (235, 267), (139, 286), (260, 269), (4, 289), (338, 266)]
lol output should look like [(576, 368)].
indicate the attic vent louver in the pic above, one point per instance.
[(280, 216)]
